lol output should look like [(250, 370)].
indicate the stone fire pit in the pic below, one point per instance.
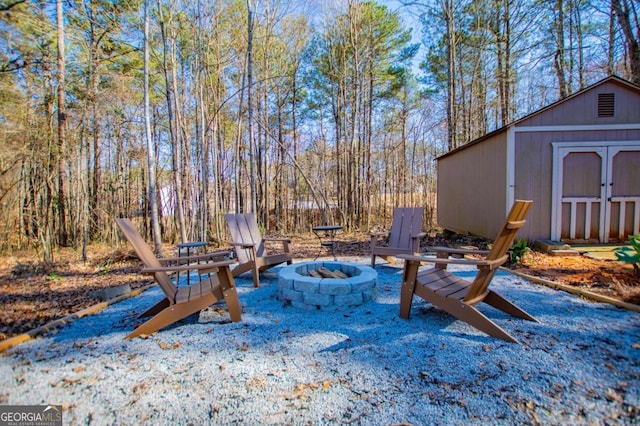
[(297, 287)]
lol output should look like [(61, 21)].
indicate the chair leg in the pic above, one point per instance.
[(409, 276), (477, 319), (233, 304), (255, 269), (256, 275), (163, 304), (499, 302), (172, 314), (373, 256), (242, 268), (470, 315), (230, 294)]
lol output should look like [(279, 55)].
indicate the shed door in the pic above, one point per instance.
[(596, 194), (623, 206)]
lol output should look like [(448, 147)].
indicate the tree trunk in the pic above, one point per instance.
[(151, 149), (174, 132), (624, 9), (252, 142), (62, 120), (452, 66), (559, 60)]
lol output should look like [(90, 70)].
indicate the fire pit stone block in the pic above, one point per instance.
[(296, 287)]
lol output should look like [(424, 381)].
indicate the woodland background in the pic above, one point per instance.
[(176, 111)]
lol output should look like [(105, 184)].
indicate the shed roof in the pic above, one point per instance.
[(611, 78)]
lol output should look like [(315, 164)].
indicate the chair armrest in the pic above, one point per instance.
[(457, 251), (492, 264), (281, 240), (214, 256), (242, 245), (192, 267)]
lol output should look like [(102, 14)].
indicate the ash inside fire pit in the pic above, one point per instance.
[(327, 285)]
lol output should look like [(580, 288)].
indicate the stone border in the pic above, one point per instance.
[(311, 293)]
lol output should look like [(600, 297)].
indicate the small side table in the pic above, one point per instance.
[(194, 245), (328, 232), (189, 249)]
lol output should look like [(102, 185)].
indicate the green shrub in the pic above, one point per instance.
[(518, 251), (631, 254)]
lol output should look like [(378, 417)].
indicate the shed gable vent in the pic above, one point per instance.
[(606, 103)]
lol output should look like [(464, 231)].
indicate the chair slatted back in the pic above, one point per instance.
[(407, 221), (144, 253), (515, 221), (244, 229)]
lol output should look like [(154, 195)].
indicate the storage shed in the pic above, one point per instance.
[(578, 159)]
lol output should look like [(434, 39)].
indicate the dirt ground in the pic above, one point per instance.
[(33, 294)]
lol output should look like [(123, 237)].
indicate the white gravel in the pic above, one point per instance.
[(281, 365)]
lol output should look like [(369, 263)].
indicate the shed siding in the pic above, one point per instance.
[(583, 110), (472, 180), (471, 189), (534, 163), (533, 179)]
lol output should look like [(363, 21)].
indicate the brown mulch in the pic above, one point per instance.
[(33, 294)]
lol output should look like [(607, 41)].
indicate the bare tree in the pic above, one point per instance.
[(559, 58), (448, 8), (627, 15), (62, 123), (151, 151), (252, 142)]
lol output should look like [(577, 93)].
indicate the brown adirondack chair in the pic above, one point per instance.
[(250, 247), (404, 235), (180, 302), (458, 296)]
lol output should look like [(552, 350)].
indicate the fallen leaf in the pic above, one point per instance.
[(70, 381), (325, 385), (163, 345), (612, 396)]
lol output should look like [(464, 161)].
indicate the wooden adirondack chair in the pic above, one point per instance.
[(250, 248), (404, 235), (458, 296), (180, 302)]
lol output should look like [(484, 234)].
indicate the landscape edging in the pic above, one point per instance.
[(575, 290), (20, 338)]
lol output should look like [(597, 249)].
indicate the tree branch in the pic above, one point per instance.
[(7, 5)]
